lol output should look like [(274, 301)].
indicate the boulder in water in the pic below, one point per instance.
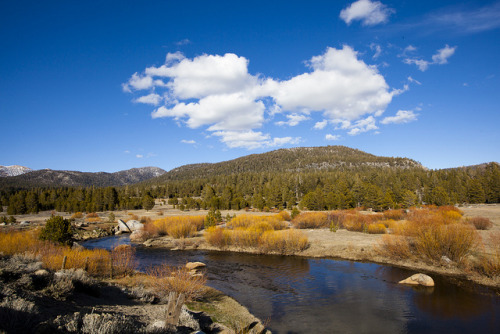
[(418, 279)]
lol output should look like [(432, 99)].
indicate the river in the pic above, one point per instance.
[(301, 295)]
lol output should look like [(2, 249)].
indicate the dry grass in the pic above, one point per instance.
[(490, 265), (132, 216), (177, 226), (92, 215), (168, 279), (94, 220)]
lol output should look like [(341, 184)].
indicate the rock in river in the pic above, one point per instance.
[(418, 279)]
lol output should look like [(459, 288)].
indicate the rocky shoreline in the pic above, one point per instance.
[(36, 300)]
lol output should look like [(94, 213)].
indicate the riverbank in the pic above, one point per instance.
[(37, 300), (358, 246)]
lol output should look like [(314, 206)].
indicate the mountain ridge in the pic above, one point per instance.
[(295, 159), (66, 178)]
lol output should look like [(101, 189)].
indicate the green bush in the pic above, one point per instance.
[(57, 229)]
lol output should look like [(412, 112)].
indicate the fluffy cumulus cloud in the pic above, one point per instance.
[(368, 12), (216, 93), (332, 137), (402, 116), (440, 58), (153, 99)]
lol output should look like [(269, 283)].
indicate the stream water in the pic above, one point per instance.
[(301, 295)]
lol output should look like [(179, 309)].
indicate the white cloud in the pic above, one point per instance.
[(184, 141), (205, 75), (363, 125), (332, 137), (422, 65), (137, 82), (218, 94), (126, 152), (293, 120), (443, 54), (252, 140), (367, 11), (377, 49), (321, 125), (402, 116), (139, 156), (440, 58), (410, 79), (222, 112), (340, 86), (153, 99)]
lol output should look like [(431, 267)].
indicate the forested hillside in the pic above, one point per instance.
[(323, 178), (62, 178), (300, 159)]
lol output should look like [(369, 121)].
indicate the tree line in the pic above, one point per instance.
[(377, 188)]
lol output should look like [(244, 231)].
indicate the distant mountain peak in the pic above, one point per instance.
[(13, 170)]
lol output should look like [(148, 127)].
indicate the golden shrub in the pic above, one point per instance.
[(376, 229)]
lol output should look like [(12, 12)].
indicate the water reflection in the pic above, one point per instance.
[(326, 296)]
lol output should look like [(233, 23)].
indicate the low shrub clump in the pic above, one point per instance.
[(246, 221), (95, 262), (431, 233), (376, 229), (177, 227), (398, 214), (480, 223), (218, 237), (57, 229), (454, 241), (259, 235), (312, 220), (283, 242), (168, 279), (77, 215)]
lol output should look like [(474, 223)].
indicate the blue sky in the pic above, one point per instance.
[(111, 85)]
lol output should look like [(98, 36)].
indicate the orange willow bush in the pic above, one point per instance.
[(97, 261), (178, 226), (218, 237), (452, 240), (480, 223), (376, 229), (312, 220), (394, 214), (283, 242), (432, 232), (246, 221), (358, 222)]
